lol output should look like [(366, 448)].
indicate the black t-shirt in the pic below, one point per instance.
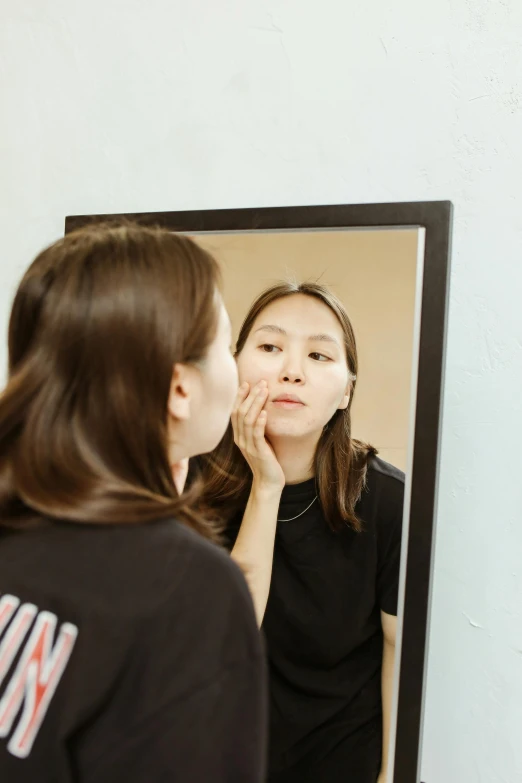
[(323, 631), (127, 653)]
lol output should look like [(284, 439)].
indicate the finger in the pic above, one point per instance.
[(242, 393), (258, 432), (251, 419), (251, 398), (256, 407), (244, 402), (243, 411)]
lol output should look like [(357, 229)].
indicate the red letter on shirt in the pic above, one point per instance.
[(16, 632), (35, 680), (8, 603)]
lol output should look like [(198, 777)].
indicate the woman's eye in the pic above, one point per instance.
[(267, 348), (320, 357)]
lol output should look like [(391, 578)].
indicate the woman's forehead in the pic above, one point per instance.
[(299, 315)]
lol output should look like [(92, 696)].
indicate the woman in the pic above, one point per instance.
[(315, 519), (129, 649)]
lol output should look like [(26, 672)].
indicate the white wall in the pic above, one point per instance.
[(131, 105)]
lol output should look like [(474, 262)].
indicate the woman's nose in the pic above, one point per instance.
[(292, 371)]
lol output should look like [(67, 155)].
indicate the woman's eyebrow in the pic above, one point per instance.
[(271, 328), (325, 338)]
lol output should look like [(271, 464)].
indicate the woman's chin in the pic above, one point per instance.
[(281, 429)]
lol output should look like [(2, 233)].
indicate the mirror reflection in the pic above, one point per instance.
[(309, 480)]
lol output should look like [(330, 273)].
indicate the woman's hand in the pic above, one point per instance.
[(248, 422)]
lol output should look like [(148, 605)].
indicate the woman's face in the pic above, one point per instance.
[(202, 397), (296, 344)]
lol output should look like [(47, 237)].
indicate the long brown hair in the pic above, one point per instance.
[(340, 462), (97, 324)]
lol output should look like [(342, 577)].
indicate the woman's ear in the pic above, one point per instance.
[(180, 393), (344, 402), (346, 399)]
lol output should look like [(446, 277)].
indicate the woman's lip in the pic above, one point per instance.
[(288, 403)]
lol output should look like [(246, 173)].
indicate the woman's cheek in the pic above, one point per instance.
[(252, 374), (250, 370), (250, 377)]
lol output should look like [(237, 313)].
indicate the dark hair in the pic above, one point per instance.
[(98, 322), (340, 462)]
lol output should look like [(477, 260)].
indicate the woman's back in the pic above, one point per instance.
[(150, 631), (128, 644)]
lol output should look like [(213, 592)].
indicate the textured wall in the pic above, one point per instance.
[(126, 105)]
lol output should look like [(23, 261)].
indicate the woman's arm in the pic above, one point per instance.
[(254, 547), (389, 629)]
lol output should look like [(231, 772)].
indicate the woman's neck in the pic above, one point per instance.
[(296, 457)]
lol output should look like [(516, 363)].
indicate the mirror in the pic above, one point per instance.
[(346, 616), (332, 595)]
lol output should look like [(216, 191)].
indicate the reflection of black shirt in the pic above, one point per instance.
[(145, 641), (323, 632)]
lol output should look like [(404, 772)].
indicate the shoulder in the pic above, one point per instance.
[(202, 577), (212, 568), (385, 479), (195, 574), (381, 504), (128, 572)]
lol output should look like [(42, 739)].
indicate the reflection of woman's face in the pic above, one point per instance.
[(296, 344)]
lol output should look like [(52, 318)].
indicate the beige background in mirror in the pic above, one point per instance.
[(373, 273)]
